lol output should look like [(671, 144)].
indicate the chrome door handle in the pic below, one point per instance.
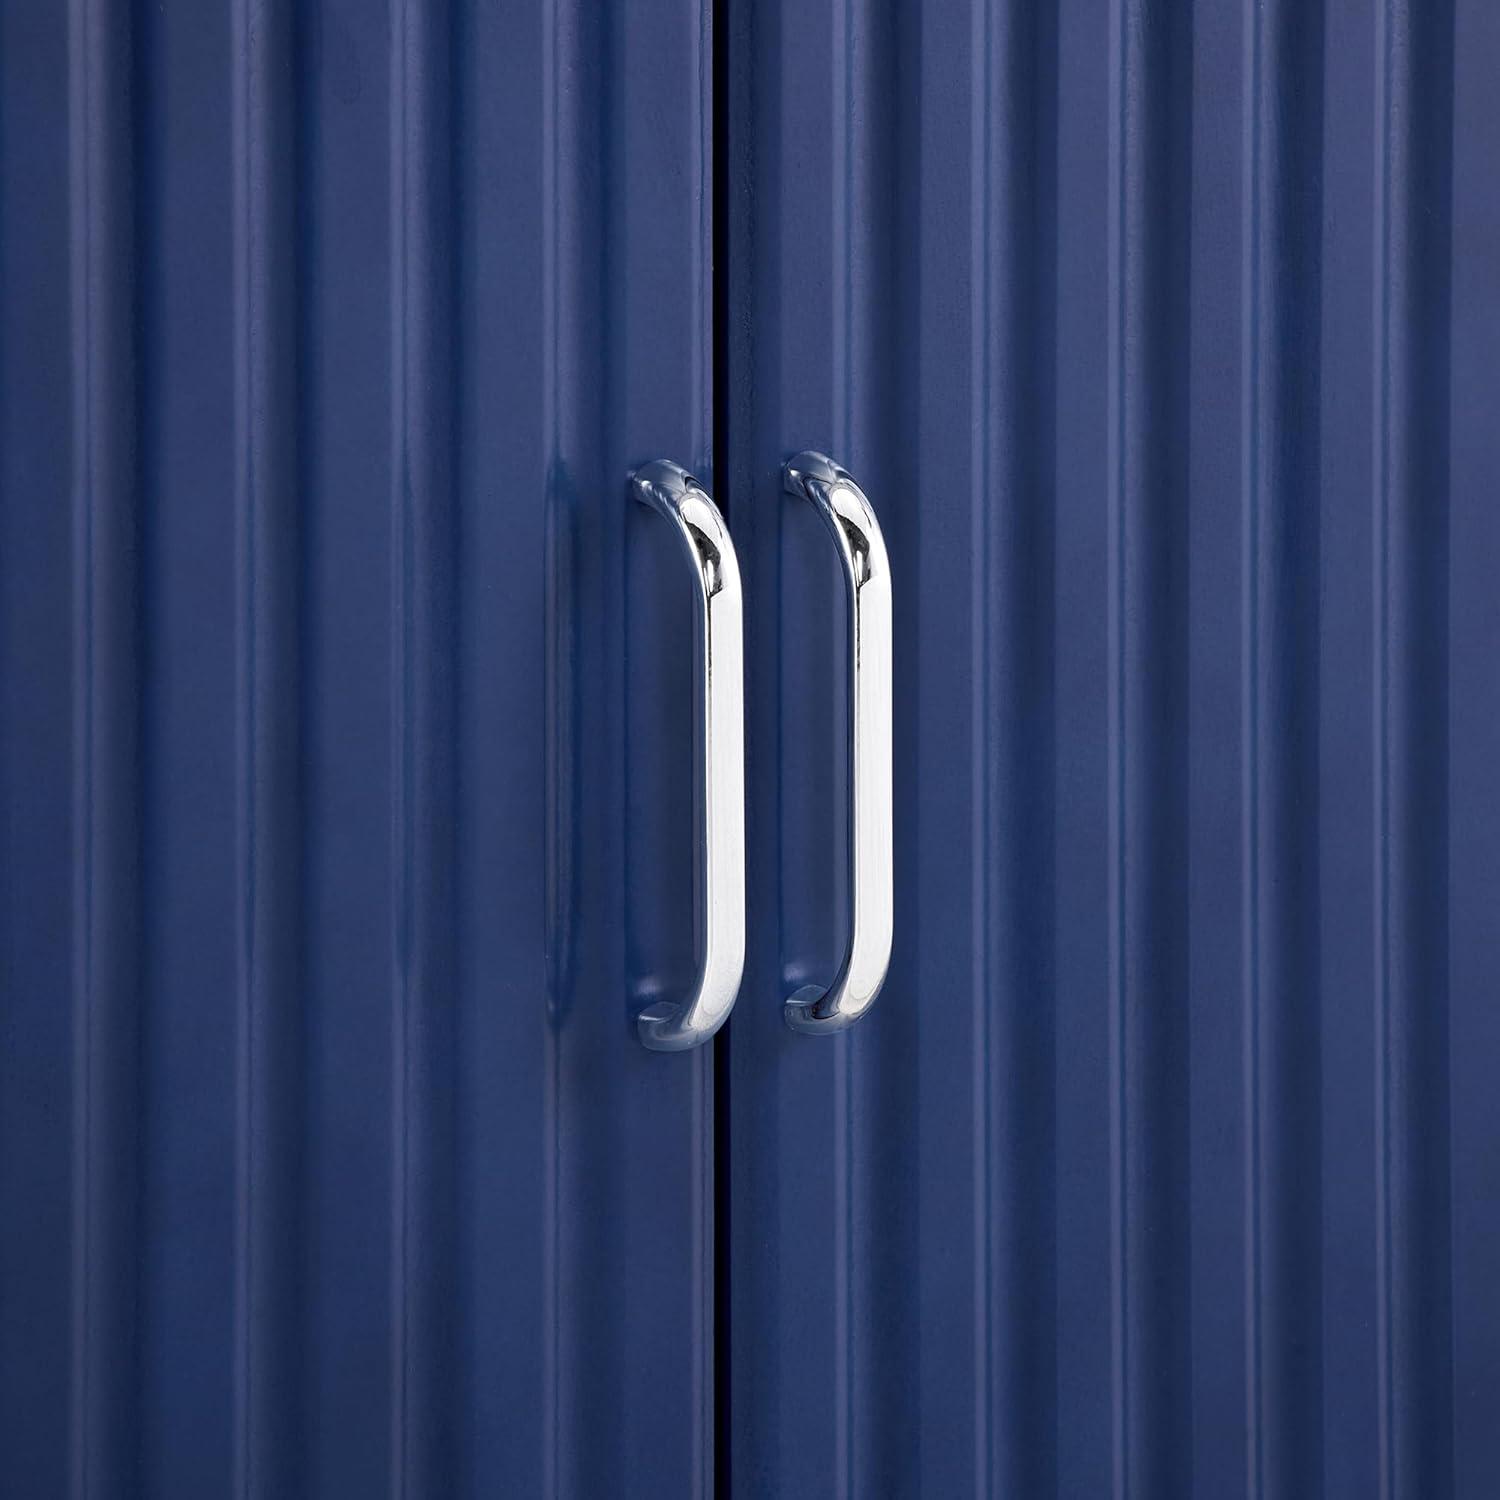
[(867, 572), (671, 1025)]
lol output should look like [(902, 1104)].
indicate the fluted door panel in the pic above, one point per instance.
[(329, 1161), (1163, 339)]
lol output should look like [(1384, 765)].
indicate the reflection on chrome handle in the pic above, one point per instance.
[(856, 534), (670, 1025)]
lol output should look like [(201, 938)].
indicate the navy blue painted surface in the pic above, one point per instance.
[(1162, 338), (343, 723), (329, 1162)]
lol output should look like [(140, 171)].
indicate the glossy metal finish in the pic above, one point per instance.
[(673, 1025), (851, 521)]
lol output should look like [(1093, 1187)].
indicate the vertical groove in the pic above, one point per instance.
[(1283, 129), (1473, 792), (843, 1270), (701, 420), (423, 751), (267, 1439), (561, 779), (401, 189), (1118, 1266), (107, 831), (1414, 97), (38, 691), (1013, 333), (980, 355), (1147, 737), (585, 521), (1254, 354), (703, 1265), (402, 872)]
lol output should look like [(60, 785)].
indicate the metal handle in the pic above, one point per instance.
[(670, 1025), (856, 533)]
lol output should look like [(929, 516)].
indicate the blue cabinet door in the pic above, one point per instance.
[(329, 1161), (1163, 339), (346, 720)]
